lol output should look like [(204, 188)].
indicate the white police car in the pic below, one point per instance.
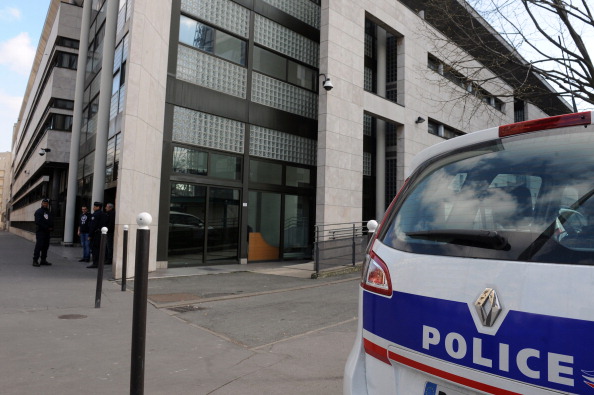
[(480, 277)]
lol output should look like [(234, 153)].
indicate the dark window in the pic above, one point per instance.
[(281, 68), (67, 42), (266, 172), (66, 60)]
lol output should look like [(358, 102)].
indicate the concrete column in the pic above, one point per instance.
[(380, 139), (70, 212), (104, 100)]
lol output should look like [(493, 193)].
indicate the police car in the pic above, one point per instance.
[(479, 279)]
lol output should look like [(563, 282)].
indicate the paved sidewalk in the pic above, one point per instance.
[(53, 340)]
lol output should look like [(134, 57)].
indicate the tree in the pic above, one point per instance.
[(523, 42)]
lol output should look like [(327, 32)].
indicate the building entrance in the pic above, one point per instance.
[(278, 226), (203, 225)]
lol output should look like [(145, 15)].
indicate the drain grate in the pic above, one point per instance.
[(186, 309), (72, 316)]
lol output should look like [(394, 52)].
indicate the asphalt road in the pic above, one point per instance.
[(241, 332)]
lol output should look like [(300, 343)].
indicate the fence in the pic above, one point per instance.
[(339, 244)]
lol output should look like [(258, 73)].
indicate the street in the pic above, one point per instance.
[(243, 332)]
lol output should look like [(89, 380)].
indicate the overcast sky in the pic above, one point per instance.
[(21, 22)]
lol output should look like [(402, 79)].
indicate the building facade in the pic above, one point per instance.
[(211, 116), (41, 138), (5, 161)]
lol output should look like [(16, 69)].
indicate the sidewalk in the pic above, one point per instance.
[(55, 342)]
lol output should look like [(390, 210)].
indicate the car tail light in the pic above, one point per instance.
[(580, 118), (376, 276)]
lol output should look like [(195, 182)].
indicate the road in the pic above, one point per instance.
[(240, 332)]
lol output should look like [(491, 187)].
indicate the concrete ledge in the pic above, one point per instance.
[(337, 271)]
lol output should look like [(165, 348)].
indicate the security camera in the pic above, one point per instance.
[(42, 152), (328, 84)]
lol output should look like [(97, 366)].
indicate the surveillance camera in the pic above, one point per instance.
[(328, 84), (42, 152)]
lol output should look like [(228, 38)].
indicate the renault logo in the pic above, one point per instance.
[(488, 307)]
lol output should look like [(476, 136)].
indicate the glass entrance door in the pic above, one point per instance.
[(296, 227), (279, 226), (264, 213), (203, 224), (223, 224)]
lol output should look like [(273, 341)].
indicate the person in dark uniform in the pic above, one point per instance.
[(98, 221), (83, 232), (45, 224), (110, 223)]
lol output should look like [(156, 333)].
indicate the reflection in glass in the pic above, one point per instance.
[(298, 177), (264, 213), (225, 166), (533, 192), (296, 227), (270, 63), (223, 224), (190, 161), (266, 172), (186, 224)]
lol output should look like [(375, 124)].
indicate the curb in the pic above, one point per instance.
[(337, 272)]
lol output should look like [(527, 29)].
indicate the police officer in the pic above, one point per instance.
[(45, 224), (98, 221)]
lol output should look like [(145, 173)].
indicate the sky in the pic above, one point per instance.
[(21, 22)]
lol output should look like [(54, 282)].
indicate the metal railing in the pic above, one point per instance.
[(339, 244)]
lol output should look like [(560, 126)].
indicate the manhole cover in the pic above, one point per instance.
[(186, 309), (72, 316)]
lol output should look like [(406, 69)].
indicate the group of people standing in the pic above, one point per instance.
[(89, 231)]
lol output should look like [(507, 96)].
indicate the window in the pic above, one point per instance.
[(284, 69), (202, 163), (534, 191), (266, 172), (66, 60), (457, 78), (441, 130), (67, 42), (211, 40)]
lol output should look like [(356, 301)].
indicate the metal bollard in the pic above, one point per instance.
[(100, 267), (125, 258), (317, 254), (139, 305), (354, 244)]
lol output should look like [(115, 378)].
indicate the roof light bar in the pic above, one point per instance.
[(580, 118)]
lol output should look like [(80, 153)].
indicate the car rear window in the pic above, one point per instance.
[(523, 198)]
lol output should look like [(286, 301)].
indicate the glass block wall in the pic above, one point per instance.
[(206, 130), (304, 10), (367, 165), (223, 13), (278, 94), (272, 144), (211, 72), (281, 39)]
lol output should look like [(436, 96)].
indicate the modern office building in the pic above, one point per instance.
[(5, 161), (41, 137), (212, 116)]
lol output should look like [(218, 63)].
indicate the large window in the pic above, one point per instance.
[(284, 69), (211, 164), (211, 40)]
